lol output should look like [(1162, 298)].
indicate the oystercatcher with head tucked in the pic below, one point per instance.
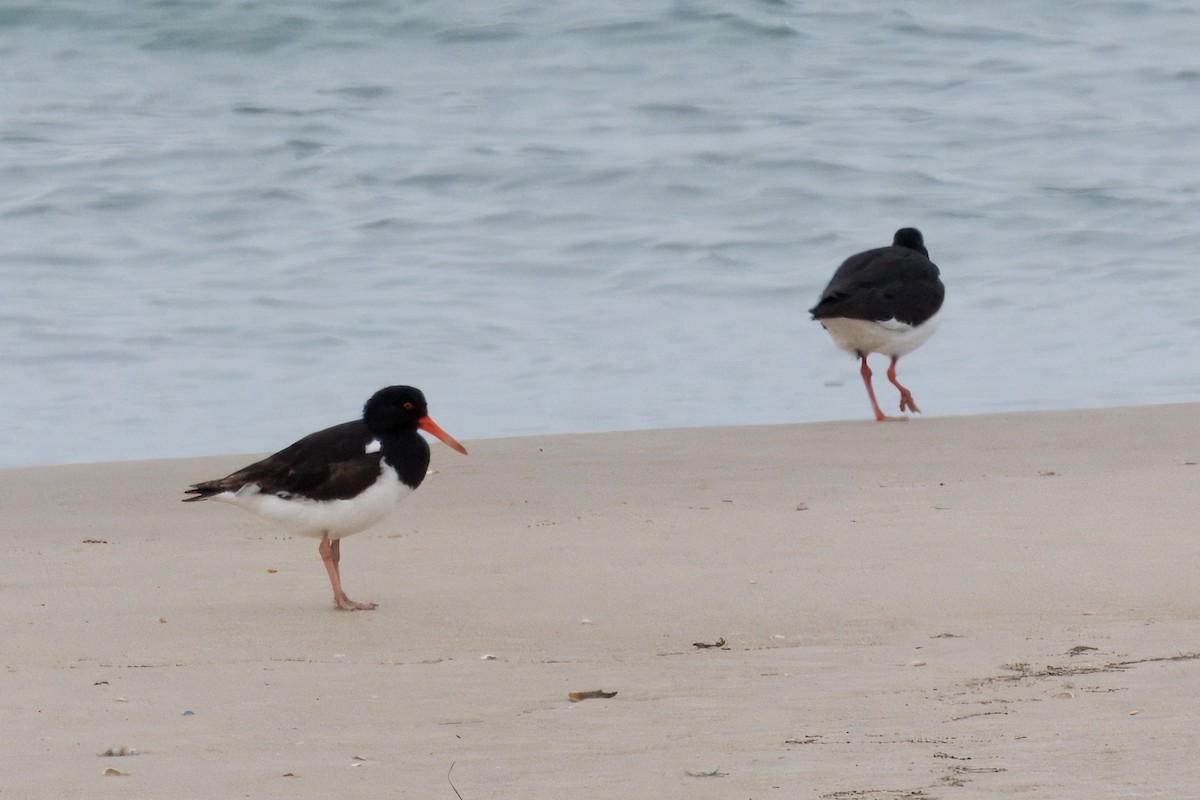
[(341, 480), (885, 300)]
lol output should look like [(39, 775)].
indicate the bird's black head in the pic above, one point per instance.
[(912, 239), (401, 410), (395, 409)]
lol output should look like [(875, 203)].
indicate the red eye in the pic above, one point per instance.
[(408, 406)]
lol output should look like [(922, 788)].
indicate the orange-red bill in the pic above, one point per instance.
[(427, 424)]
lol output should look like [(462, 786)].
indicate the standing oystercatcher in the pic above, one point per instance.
[(341, 480), (885, 301)]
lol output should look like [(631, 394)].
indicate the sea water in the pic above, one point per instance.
[(225, 224)]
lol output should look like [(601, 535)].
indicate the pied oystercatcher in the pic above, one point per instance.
[(885, 301), (341, 480)]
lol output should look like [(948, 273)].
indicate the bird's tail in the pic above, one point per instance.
[(203, 491)]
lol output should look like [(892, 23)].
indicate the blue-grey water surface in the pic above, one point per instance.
[(224, 224)]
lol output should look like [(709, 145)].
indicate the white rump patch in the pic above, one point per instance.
[(890, 337), (373, 446)]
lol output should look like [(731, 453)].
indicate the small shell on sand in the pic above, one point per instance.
[(118, 751)]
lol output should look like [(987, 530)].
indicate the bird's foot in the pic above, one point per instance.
[(346, 604), (908, 404), (891, 419)]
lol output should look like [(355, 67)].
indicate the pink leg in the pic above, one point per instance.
[(331, 554), (906, 399), (866, 375)]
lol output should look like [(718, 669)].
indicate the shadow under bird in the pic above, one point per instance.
[(339, 481), (887, 301)]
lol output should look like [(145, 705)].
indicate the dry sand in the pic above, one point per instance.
[(990, 606)]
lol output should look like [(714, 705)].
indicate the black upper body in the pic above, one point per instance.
[(897, 282), (333, 464)]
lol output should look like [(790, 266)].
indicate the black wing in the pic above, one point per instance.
[(882, 284), (327, 465)]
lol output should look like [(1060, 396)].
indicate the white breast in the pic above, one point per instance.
[(334, 518)]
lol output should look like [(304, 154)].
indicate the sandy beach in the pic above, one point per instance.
[(965, 607)]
